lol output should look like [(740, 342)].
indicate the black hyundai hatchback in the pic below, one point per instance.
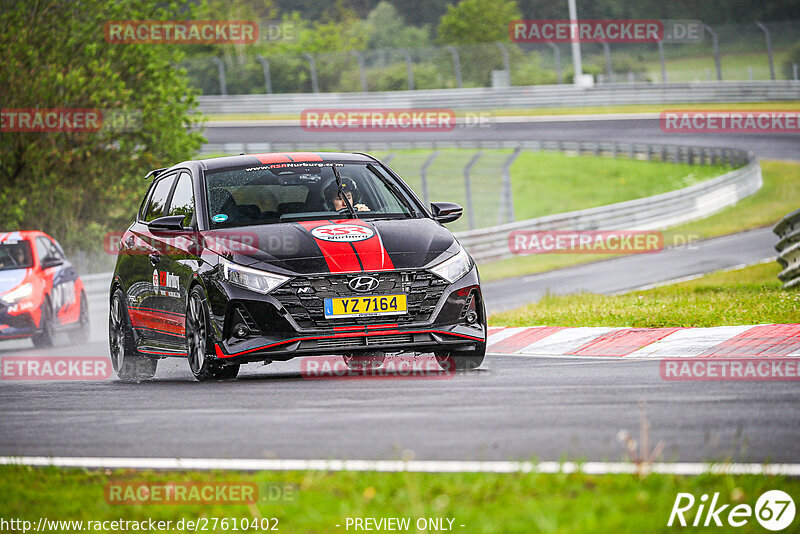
[(268, 257)]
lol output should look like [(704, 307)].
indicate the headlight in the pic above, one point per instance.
[(454, 268), (25, 290), (248, 278)]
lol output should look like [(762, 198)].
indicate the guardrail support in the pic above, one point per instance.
[(507, 195), (456, 65), (267, 78), (557, 60), (468, 189), (607, 53), (223, 86), (715, 44), (312, 65), (409, 68), (423, 174), (769, 49), (361, 72), (663, 63)]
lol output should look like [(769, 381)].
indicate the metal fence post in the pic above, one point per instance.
[(361, 73), (506, 61), (715, 44), (769, 49), (423, 174), (507, 195), (456, 64), (409, 68), (468, 189), (312, 65), (388, 158), (794, 71), (557, 60), (663, 63), (267, 78), (607, 53), (223, 86)]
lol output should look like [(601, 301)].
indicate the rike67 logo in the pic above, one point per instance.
[(774, 510)]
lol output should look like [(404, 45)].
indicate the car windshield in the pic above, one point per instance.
[(15, 255), (282, 192)]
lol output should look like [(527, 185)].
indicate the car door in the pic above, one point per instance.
[(178, 261), (66, 300), (140, 268)]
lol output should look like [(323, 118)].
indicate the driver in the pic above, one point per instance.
[(334, 200)]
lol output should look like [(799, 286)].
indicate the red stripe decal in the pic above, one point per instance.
[(522, 339), (338, 255), (155, 321), (764, 340), (622, 342), (371, 251), (271, 158)]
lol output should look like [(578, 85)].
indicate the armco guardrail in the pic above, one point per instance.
[(96, 285), (788, 230), (655, 212), (511, 97)]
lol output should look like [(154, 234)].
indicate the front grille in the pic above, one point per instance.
[(341, 342), (303, 297), (390, 340)]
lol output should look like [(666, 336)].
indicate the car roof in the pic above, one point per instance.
[(282, 157), (21, 235)]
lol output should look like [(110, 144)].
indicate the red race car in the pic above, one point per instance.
[(40, 292)]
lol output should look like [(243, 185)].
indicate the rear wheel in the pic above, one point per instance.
[(129, 364), (462, 360), (47, 332), (81, 333), (203, 364)]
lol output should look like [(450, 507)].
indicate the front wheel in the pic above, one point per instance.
[(47, 334), (129, 364), (462, 360), (198, 341)]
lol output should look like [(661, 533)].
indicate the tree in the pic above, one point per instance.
[(387, 29), (78, 185), (477, 21)]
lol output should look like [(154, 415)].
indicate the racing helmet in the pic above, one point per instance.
[(348, 186)]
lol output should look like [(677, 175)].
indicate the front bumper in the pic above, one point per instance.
[(277, 336), (18, 325)]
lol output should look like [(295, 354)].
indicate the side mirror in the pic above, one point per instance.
[(51, 261), (446, 212), (169, 223)]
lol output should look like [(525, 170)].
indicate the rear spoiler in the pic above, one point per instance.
[(155, 172)]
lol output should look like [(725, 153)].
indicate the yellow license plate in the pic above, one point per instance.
[(365, 306)]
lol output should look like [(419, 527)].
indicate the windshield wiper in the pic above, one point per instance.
[(341, 193)]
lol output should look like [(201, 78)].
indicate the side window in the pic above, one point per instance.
[(56, 251), (42, 248), (182, 202), (158, 199)]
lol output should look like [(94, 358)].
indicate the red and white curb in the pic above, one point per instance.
[(720, 341)]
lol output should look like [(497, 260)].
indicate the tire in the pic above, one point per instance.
[(462, 360), (202, 362), (129, 364), (81, 333), (47, 334)]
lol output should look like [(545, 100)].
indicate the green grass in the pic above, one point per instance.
[(734, 66), (489, 503), (752, 295), (776, 198)]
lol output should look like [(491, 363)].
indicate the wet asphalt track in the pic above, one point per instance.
[(514, 407)]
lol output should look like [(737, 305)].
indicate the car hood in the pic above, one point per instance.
[(336, 246), (11, 279)]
